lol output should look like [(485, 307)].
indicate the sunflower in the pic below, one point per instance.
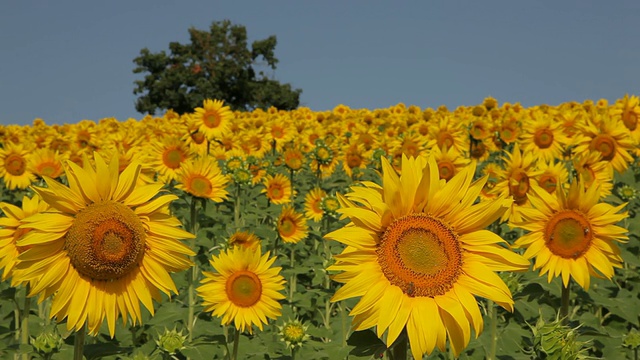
[(244, 289), (203, 178), (313, 204), (213, 118), (244, 239), (46, 162), (450, 162), (292, 226), (592, 171), (516, 180), (572, 234), (552, 175), (167, 156), (543, 135), (293, 158), (610, 137), (416, 250), (13, 166), (11, 231), (277, 188), (354, 159), (105, 246)]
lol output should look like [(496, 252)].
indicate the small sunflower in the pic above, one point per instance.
[(571, 234), (450, 162), (13, 166), (46, 162), (244, 239), (244, 289), (11, 231), (313, 204), (203, 178), (105, 245), (417, 254), (277, 188), (167, 156), (610, 137), (213, 118), (593, 171), (291, 225), (543, 135), (552, 175)]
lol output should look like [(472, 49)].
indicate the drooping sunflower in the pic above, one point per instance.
[(277, 188), (46, 162), (291, 225), (10, 231), (204, 179), (313, 204), (105, 246), (244, 239), (572, 235), (213, 118), (244, 289), (417, 251), (594, 171), (13, 166)]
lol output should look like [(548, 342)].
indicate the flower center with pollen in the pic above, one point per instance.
[(243, 288), (15, 164), (606, 145), (421, 255), (106, 241), (173, 157), (200, 186), (543, 138), (568, 234)]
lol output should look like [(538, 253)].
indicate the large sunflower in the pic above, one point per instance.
[(417, 254), (571, 234), (244, 289), (105, 246)]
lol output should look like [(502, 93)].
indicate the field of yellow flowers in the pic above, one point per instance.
[(491, 231)]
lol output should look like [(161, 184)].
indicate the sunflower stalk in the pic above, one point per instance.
[(564, 304), (398, 350), (292, 281), (236, 341), (78, 343), (194, 271), (24, 326), (493, 330)]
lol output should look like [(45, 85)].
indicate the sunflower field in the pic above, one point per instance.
[(492, 231)]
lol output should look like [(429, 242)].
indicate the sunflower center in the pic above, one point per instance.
[(606, 145), (445, 139), (15, 164), (354, 160), (197, 137), (543, 138), (548, 182), (446, 169), (519, 186), (568, 234), (630, 120), (200, 186), (275, 191), (49, 169), (173, 157), (421, 255), (211, 119), (286, 227), (106, 241), (244, 288)]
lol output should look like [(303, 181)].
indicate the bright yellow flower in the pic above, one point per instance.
[(277, 188), (213, 118), (610, 137), (203, 178), (167, 156), (516, 180), (105, 246), (244, 239), (244, 289), (291, 225), (46, 162), (572, 234), (543, 135), (13, 167), (11, 231), (313, 204), (417, 255)]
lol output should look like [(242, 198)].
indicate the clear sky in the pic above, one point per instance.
[(65, 61)]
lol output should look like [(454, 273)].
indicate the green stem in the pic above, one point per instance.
[(493, 330), (345, 329), (194, 271), (399, 347), (24, 327), (78, 343), (292, 186), (236, 341), (327, 279), (292, 281), (236, 208), (293, 353), (564, 303)]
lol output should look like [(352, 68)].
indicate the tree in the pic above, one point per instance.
[(217, 64)]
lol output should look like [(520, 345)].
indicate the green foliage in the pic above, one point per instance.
[(216, 64)]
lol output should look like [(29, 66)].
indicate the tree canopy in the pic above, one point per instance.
[(216, 64)]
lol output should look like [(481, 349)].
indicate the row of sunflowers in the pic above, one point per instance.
[(419, 224)]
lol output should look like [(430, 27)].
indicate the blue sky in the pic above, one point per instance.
[(66, 61)]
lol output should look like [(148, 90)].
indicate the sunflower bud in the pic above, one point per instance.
[(242, 176), (171, 341), (330, 205), (293, 333), (48, 342), (632, 339), (626, 192), (556, 341)]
